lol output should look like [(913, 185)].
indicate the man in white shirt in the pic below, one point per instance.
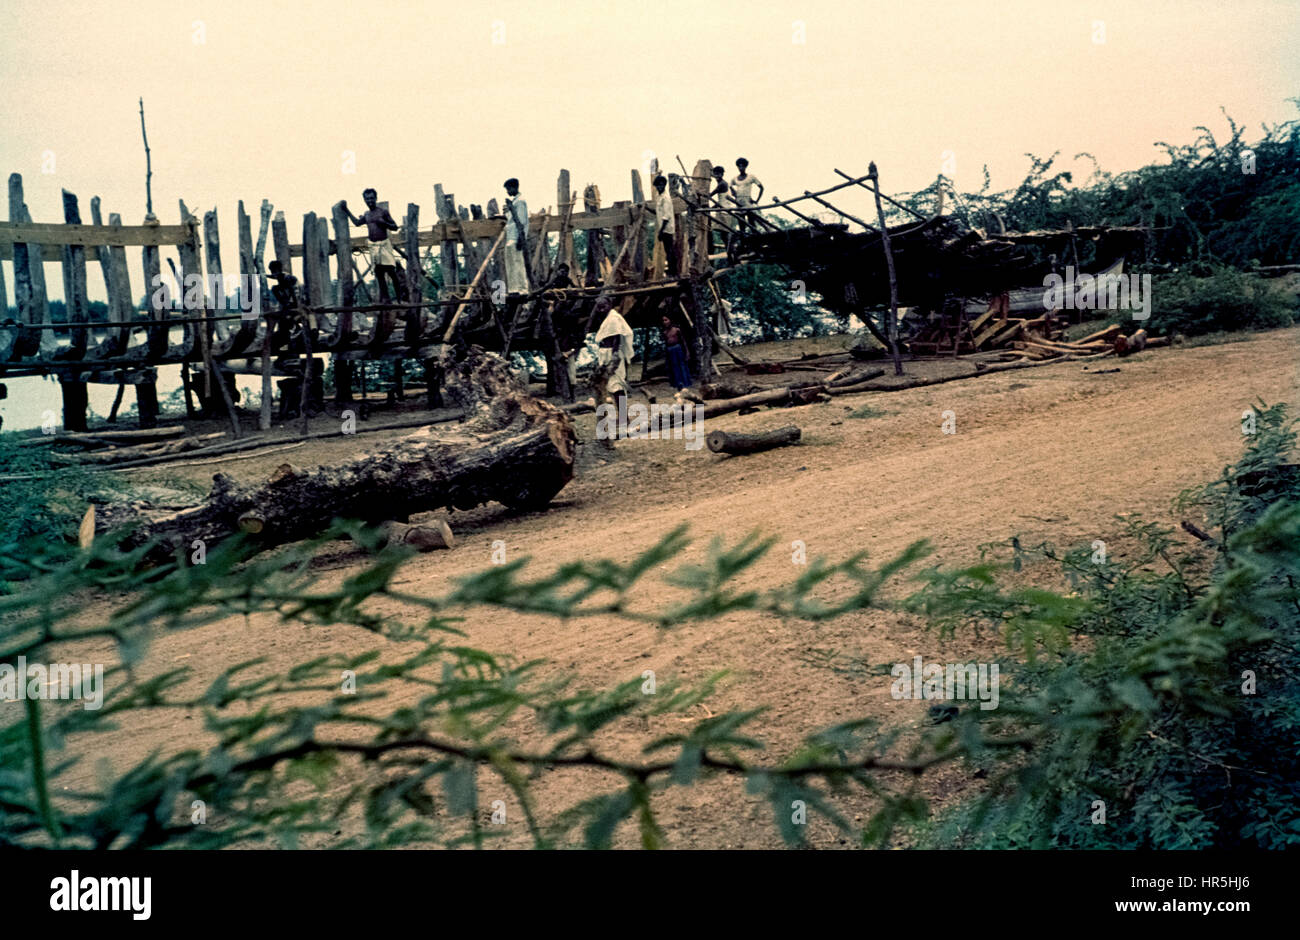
[(742, 193), (666, 221), (516, 243)]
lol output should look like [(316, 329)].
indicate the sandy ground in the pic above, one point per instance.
[(1050, 453)]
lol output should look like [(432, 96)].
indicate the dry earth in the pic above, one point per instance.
[(1049, 453)]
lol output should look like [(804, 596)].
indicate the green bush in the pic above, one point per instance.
[(1179, 712), (1226, 300)]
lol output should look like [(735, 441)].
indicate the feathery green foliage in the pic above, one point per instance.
[(1163, 685)]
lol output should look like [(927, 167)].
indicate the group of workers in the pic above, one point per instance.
[(739, 196)]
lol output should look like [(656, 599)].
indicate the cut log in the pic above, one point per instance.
[(425, 537), (515, 450), (775, 396), (728, 442), (1105, 336), (853, 378), (726, 389)]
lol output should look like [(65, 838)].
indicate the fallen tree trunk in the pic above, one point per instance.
[(853, 378), (917, 382), (515, 450), (728, 442), (724, 389), (105, 437), (114, 454), (784, 395)]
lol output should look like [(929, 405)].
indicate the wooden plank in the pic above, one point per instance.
[(487, 229), (75, 233)]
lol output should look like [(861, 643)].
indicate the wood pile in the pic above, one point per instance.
[(1110, 341)]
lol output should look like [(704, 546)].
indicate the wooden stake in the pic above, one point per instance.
[(892, 327)]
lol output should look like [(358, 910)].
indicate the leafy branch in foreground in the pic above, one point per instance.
[(459, 713), (1146, 716)]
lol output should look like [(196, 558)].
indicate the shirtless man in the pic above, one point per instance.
[(378, 224)]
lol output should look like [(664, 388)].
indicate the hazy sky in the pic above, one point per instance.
[(261, 99), (247, 100)]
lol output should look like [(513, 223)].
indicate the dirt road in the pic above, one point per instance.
[(1045, 453)]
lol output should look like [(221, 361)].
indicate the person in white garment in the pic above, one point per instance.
[(613, 354), (516, 242), (666, 223), (742, 193)]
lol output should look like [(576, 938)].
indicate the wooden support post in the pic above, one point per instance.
[(638, 250), (345, 297), (250, 273), (619, 232), (159, 310), (212, 250), (146, 389), (564, 200), (323, 269), (280, 242), (892, 326), (701, 228), (146, 400), (193, 267), (117, 340), (595, 272), (496, 272), (29, 283), (539, 267), (74, 281), (447, 253), (75, 403), (123, 310), (414, 281), (75, 395)]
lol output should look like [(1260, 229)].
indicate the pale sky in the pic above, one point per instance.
[(247, 100), (261, 99)]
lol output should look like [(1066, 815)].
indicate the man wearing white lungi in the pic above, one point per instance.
[(383, 258), (516, 242), (613, 354)]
